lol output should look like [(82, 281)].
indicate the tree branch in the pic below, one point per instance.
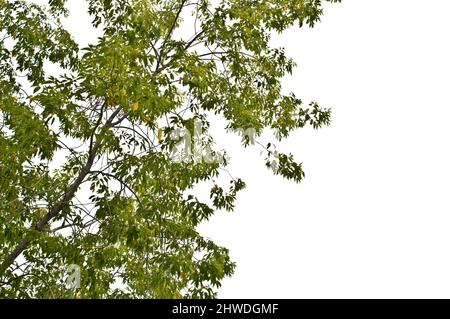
[(68, 195)]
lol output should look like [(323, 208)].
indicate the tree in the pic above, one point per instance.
[(109, 124)]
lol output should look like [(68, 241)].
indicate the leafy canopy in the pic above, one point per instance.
[(105, 126)]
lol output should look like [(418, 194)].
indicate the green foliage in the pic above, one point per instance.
[(109, 115)]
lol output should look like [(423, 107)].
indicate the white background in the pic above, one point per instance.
[(372, 217)]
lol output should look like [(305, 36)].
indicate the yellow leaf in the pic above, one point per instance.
[(135, 105), (177, 295), (123, 92), (160, 134)]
